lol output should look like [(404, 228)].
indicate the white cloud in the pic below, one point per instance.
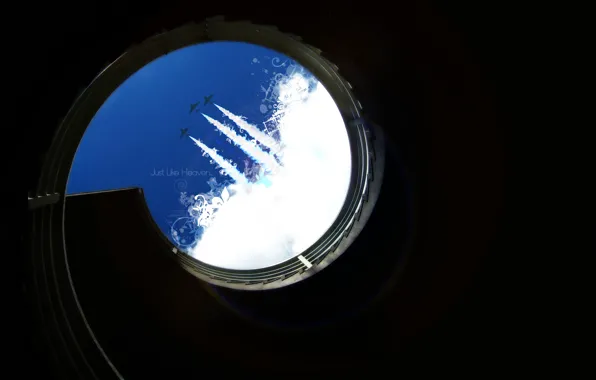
[(263, 225)]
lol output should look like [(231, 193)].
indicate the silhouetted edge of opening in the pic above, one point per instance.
[(364, 140)]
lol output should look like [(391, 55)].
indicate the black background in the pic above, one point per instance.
[(433, 62)]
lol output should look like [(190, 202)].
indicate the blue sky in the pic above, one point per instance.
[(137, 130)]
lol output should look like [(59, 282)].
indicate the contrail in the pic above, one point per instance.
[(252, 130), (252, 150), (229, 168)]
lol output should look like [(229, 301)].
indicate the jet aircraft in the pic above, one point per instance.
[(193, 106)]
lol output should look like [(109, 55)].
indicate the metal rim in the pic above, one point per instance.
[(328, 248)]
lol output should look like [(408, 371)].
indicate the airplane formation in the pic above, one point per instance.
[(195, 107)]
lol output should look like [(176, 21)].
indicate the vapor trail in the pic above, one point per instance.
[(252, 130), (229, 168), (254, 151)]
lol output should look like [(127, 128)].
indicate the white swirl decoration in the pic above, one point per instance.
[(275, 62), (205, 207), (278, 77)]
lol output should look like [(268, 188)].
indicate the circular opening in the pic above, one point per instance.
[(243, 155)]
